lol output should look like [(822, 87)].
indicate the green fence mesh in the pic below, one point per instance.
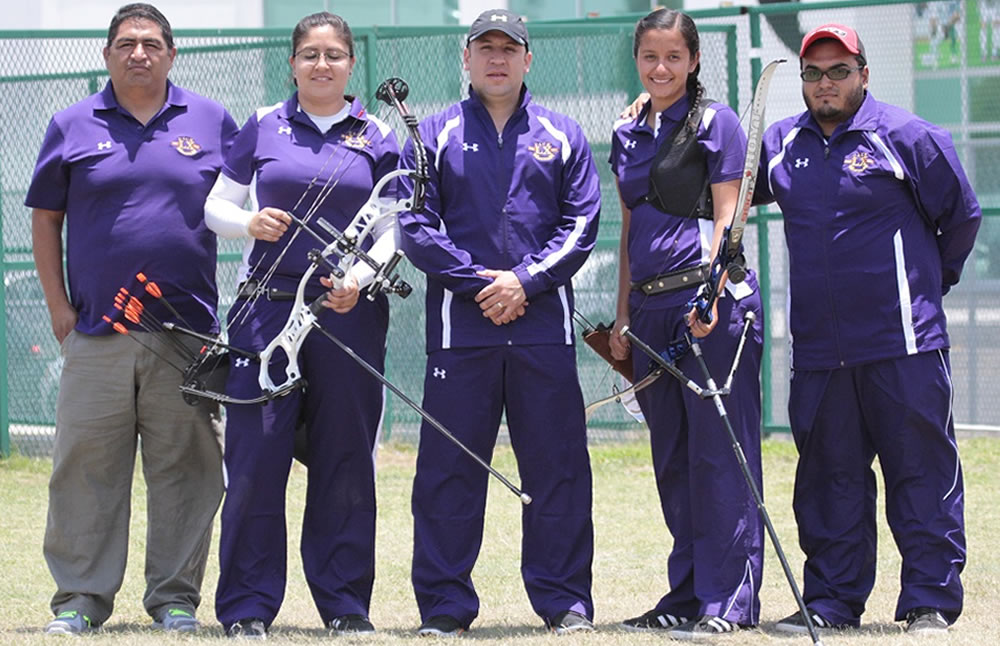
[(922, 57)]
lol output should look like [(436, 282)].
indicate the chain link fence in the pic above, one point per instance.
[(940, 68)]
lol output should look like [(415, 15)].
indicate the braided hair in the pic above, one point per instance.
[(670, 19)]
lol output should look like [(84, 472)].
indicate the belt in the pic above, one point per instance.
[(250, 289), (673, 281)]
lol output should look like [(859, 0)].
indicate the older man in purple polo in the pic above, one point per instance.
[(879, 219), (128, 170)]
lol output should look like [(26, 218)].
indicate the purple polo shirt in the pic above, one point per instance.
[(879, 220), (526, 200), (291, 165), (134, 198), (658, 242)]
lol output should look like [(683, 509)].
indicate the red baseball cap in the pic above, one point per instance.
[(841, 33)]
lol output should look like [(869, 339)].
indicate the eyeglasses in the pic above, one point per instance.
[(839, 73), (312, 56)]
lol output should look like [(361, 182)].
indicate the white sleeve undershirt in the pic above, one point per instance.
[(224, 212), (386, 235)]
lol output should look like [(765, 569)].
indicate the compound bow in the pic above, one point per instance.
[(346, 246)]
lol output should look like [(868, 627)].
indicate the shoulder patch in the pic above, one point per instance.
[(621, 122), (263, 112), (706, 119), (442, 138), (382, 126)]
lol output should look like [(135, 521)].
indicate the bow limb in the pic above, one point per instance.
[(729, 263), (292, 336), (393, 92), (619, 394)]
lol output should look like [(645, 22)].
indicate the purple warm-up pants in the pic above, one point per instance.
[(467, 390), (899, 410), (715, 565), (341, 408)]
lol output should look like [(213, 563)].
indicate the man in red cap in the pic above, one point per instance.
[(879, 219)]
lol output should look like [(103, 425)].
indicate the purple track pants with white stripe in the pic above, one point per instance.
[(342, 409), (715, 565), (899, 410), (467, 389)]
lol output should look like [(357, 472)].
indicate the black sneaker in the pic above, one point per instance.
[(350, 625), (705, 627), (441, 626), (570, 622), (652, 621), (795, 624), (249, 628), (926, 621)]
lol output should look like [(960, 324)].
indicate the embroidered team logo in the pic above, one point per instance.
[(186, 146), (355, 140), (543, 150), (858, 162)]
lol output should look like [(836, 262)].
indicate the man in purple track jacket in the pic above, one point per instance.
[(512, 211), (879, 218)]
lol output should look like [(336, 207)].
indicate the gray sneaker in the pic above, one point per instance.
[(570, 622), (70, 622), (926, 621), (250, 628), (177, 620)]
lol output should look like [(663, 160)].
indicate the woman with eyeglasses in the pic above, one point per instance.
[(316, 155), (675, 208)]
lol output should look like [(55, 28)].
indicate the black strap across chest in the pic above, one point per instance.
[(678, 178)]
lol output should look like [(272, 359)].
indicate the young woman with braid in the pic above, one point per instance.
[(672, 222)]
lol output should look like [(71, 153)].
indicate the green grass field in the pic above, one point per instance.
[(629, 567)]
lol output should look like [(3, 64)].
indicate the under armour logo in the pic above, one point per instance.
[(630, 144), (498, 16), (801, 162), (439, 373), (242, 362), (104, 145), (473, 147), (284, 130)]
